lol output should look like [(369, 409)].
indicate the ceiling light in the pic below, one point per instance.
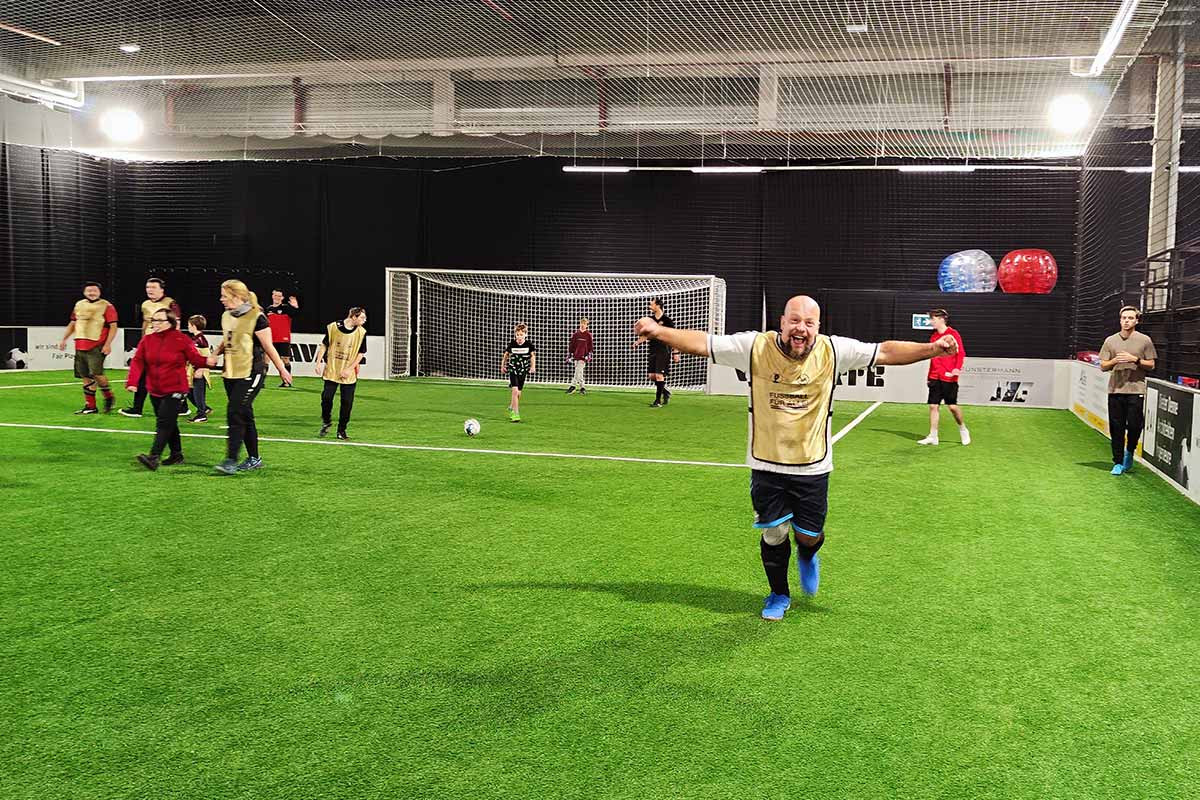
[(595, 169), (725, 170), (1069, 113), (935, 168), (122, 125), (1113, 38), (131, 48), (857, 28)]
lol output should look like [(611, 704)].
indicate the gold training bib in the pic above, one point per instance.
[(89, 319), (239, 343), (343, 347), (148, 309), (790, 402)]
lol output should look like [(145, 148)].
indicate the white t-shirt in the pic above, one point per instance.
[(848, 354)]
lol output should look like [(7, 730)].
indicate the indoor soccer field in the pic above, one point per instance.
[(451, 617), (595, 293)]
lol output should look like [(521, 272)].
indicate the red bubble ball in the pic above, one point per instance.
[(1029, 271)]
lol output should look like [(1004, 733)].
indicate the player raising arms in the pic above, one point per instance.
[(94, 325), (792, 373)]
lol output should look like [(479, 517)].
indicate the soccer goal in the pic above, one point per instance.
[(455, 323)]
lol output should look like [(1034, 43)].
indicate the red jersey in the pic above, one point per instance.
[(280, 319), (163, 358), (942, 368), (110, 316), (581, 345)]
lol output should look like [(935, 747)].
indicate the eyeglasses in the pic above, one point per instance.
[(156, 319)]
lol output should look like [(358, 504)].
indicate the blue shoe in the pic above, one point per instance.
[(251, 463), (227, 467), (1128, 462), (810, 574), (1118, 469), (775, 605)]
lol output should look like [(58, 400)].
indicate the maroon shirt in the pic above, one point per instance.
[(581, 345), (163, 357)]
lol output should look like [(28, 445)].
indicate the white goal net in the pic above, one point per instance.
[(456, 323)]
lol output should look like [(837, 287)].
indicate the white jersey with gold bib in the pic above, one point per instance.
[(791, 401)]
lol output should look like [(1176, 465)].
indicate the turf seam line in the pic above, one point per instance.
[(855, 421), (381, 446)]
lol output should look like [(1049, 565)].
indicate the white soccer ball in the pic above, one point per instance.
[(471, 427)]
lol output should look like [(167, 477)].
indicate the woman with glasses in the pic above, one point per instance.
[(161, 359)]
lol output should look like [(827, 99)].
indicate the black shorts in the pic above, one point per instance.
[(89, 362), (516, 381), (778, 498), (943, 392), (283, 348), (658, 362)]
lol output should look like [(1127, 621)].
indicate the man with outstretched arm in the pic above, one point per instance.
[(792, 373)]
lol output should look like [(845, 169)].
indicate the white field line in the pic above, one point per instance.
[(40, 385), (856, 420), (424, 448), (430, 448)]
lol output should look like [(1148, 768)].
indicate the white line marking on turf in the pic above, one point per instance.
[(856, 420), (426, 448), (40, 385)]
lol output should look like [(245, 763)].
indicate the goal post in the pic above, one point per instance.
[(455, 323)]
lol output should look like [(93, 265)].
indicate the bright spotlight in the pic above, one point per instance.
[(122, 125), (1069, 113), (131, 48)]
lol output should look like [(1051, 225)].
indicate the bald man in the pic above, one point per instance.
[(792, 373)]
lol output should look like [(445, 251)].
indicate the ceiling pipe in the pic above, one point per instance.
[(22, 32), (299, 105), (946, 98)]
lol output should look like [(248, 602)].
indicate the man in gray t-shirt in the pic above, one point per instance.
[(1126, 356)]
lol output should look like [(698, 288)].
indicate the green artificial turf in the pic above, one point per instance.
[(1004, 620)]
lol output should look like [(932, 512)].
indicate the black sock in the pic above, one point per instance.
[(775, 559), (659, 391), (807, 547)]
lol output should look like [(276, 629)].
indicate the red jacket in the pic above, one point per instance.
[(163, 358), (939, 366)]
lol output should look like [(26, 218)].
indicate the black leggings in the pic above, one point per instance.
[(1125, 420), (166, 423), (344, 409), (240, 414)]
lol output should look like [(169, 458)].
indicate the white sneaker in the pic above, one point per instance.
[(966, 435), (928, 440)]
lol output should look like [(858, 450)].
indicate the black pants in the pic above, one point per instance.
[(1125, 420), (139, 397), (239, 416), (346, 405), (199, 394), (166, 423)]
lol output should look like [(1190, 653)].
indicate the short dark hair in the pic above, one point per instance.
[(92, 283), (278, 290), (198, 320), (162, 284), (940, 312), (356, 311), (171, 318), (658, 302)]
